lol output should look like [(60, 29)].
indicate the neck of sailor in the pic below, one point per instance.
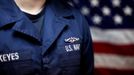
[(31, 6)]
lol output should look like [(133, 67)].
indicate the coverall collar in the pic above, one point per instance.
[(54, 23), (9, 13)]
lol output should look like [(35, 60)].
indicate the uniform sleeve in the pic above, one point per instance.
[(87, 57)]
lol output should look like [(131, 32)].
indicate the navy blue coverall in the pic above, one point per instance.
[(64, 48)]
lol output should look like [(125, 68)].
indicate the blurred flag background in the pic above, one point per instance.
[(112, 29)]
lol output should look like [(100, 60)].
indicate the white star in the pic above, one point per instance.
[(85, 10), (94, 3), (106, 11), (97, 19), (128, 11), (118, 19), (116, 3)]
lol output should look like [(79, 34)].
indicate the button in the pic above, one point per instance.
[(45, 60)]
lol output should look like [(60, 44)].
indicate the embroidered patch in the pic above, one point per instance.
[(9, 57), (71, 40), (73, 47)]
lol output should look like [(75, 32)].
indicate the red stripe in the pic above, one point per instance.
[(127, 50), (102, 71)]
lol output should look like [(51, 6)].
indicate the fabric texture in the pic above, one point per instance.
[(65, 47)]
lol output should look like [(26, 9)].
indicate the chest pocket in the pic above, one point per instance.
[(16, 62), (70, 63), (70, 59)]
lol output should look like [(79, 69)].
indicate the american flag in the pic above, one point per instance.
[(112, 30)]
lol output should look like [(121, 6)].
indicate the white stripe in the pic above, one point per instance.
[(114, 61), (114, 36)]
